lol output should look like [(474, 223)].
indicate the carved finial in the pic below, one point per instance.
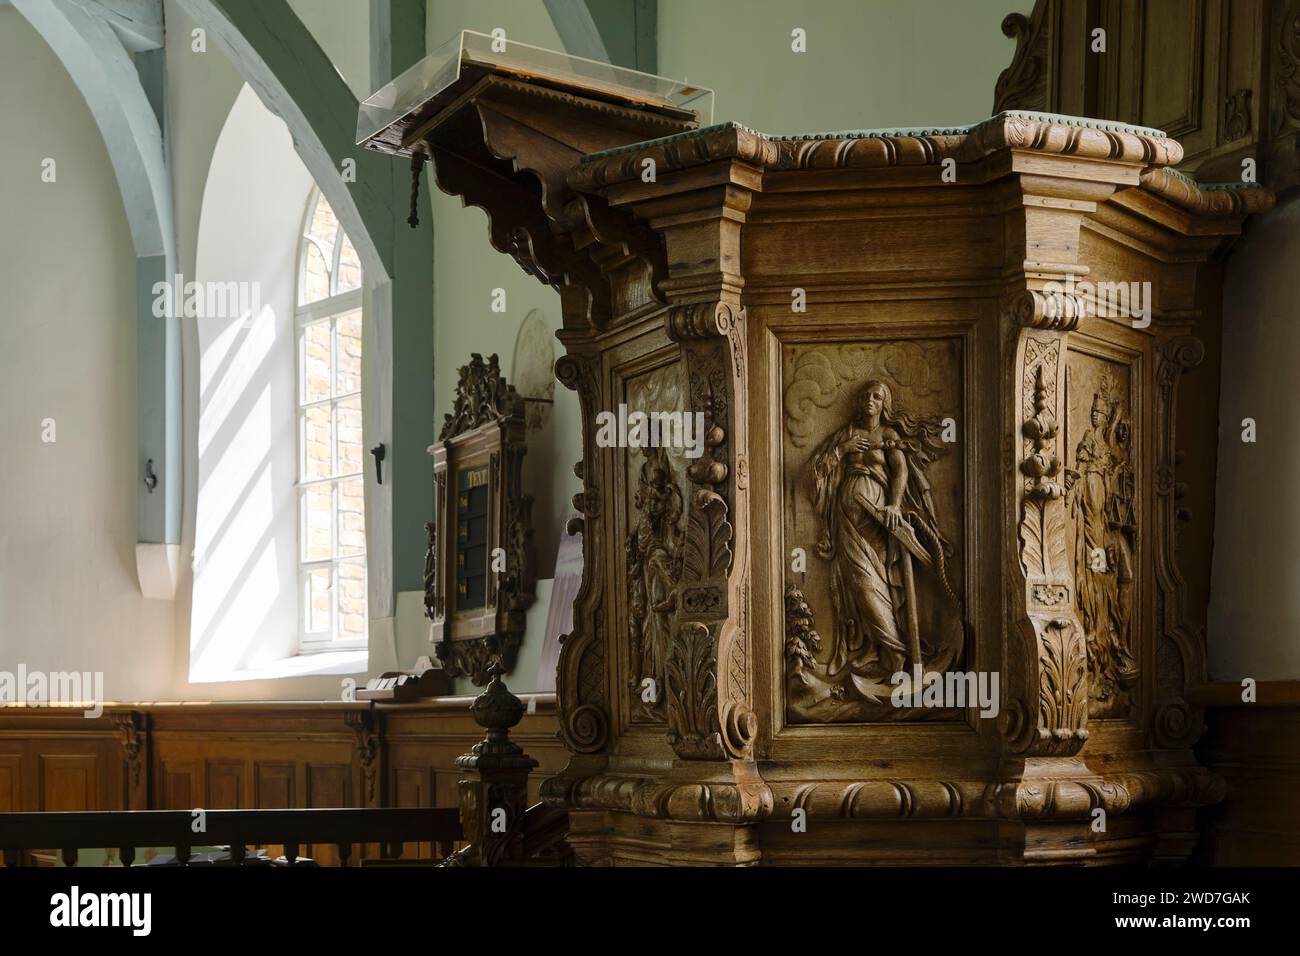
[(496, 710)]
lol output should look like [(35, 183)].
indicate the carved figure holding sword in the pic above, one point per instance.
[(878, 521)]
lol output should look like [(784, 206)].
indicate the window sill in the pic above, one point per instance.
[(303, 665)]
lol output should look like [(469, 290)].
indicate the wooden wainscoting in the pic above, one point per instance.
[(255, 755), (55, 758), (1256, 749)]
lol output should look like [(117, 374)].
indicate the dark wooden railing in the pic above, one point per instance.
[(128, 830), (495, 782)]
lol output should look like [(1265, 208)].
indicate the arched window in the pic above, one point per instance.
[(331, 486)]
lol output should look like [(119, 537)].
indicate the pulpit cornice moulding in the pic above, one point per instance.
[(935, 373)]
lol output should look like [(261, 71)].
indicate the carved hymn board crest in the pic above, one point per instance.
[(478, 574), (874, 498), (1101, 495)]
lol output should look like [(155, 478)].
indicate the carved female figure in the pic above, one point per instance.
[(1100, 487), (877, 514), (654, 563)]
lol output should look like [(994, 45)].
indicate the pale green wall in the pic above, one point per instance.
[(1254, 604), (869, 63), (342, 28), (68, 593)]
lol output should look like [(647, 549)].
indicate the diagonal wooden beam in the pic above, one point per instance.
[(139, 23), (406, 423), (278, 57), (622, 32), (106, 77), (577, 29)]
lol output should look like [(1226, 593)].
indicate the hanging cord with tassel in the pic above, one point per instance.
[(417, 165)]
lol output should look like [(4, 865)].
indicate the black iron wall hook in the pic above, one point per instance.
[(379, 451), (150, 479)]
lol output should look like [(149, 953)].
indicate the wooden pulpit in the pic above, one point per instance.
[(914, 595)]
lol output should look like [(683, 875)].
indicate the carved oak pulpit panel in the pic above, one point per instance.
[(870, 427), (916, 582)]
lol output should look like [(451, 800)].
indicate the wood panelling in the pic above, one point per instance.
[(329, 785), (266, 756), (225, 784), (177, 785), (1213, 73), (10, 775), (273, 785), (252, 755), (1255, 747), (58, 759), (424, 740), (67, 782)]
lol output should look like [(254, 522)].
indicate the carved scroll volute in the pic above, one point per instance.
[(1180, 649), (1023, 84), (581, 683), (1046, 707)]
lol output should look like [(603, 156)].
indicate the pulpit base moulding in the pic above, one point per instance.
[(935, 373)]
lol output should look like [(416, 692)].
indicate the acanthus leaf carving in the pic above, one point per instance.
[(1062, 685), (708, 539), (1046, 712), (691, 693)]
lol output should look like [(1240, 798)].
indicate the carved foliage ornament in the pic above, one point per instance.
[(709, 662), (1051, 716), (482, 396), (680, 577), (1043, 545)]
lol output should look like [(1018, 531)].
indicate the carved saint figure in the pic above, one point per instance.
[(878, 519), (1101, 488), (654, 563)]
